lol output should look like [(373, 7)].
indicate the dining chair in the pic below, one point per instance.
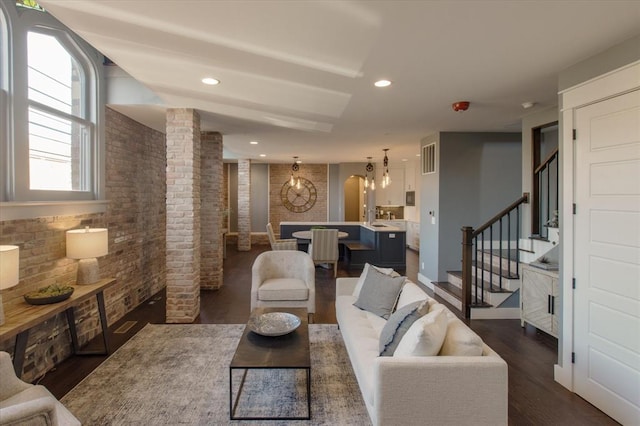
[(280, 244), (324, 247)]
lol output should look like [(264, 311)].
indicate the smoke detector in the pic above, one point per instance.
[(460, 106)]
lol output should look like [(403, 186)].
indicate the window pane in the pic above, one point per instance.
[(54, 75), (57, 152)]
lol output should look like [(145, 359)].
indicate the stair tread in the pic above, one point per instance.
[(490, 288), (538, 237), (457, 293), (506, 253), (497, 270)]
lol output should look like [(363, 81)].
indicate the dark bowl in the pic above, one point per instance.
[(47, 300)]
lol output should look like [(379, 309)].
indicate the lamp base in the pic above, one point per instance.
[(88, 271)]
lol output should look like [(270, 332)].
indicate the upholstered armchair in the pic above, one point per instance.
[(281, 244), (324, 247), (283, 279), (26, 404)]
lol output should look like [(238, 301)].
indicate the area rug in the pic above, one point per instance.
[(179, 375)]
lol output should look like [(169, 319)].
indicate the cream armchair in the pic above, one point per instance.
[(26, 404), (283, 279), (285, 244)]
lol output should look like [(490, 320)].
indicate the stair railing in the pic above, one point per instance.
[(502, 223), (545, 194)]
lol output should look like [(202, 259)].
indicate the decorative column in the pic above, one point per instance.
[(183, 215), (212, 211), (244, 205)]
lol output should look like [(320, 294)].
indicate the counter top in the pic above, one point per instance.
[(377, 226)]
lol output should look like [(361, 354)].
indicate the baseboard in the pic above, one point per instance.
[(564, 376), (495, 313), (426, 282)]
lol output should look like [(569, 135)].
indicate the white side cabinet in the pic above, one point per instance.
[(539, 301), (413, 235)]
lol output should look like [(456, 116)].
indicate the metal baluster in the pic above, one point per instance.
[(500, 245), (475, 265), (490, 256), (482, 272), (517, 242), (509, 241)]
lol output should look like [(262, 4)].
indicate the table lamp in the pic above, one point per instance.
[(9, 271), (87, 244)]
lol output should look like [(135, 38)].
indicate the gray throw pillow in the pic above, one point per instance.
[(379, 293), (398, 324)]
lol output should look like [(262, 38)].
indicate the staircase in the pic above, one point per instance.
[(491, 259), (495, 280)]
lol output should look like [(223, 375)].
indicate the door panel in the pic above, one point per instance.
[(607, 256)]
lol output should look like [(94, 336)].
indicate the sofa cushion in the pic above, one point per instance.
[(425, 336), (460, 340), (379, 293), (398, 324), (363, 275), (410, 293), (283, 289)]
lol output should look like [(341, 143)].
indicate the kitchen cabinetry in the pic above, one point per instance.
[(539, 299), (413, 235), (392, 195)]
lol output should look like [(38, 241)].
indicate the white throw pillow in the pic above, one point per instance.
[(411, 293), (363, 275), (461, 340), (425, 336)]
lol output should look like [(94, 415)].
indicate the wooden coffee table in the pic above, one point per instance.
[(290, 351)]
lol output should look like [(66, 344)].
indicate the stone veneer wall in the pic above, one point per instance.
[(212, 211), (244, 205), (278, 175), (183, 215), (135, 217)]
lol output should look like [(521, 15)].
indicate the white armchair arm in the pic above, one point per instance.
[(40, 411)]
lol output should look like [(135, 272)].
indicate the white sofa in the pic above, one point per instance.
[(420, 390)]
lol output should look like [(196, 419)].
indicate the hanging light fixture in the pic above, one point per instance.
[(386, 180), (368, 169), (294, 168)]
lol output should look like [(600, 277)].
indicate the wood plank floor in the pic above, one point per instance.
[(534, 397)]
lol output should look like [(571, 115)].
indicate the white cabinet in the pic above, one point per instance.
[(392, 195), (410, 178), (413, 235), (539, 301)]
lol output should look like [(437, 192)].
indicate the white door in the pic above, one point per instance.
[(607, 256)]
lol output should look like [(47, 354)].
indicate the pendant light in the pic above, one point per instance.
[(386, 180), (368, 169), (295, 167)]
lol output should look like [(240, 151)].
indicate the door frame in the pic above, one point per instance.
[(608, 85)]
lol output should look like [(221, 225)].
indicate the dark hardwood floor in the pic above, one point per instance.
[(534, 397)]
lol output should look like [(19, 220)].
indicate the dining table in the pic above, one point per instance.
[(306, 235)]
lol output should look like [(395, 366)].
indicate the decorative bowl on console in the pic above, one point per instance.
[(50, 294)]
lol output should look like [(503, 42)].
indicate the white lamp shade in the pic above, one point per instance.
[(9, 266), (87, 243)]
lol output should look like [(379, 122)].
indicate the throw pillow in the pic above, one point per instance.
[(461, 340), (363, 275), (379, 293), (425, 336), (398, 324)]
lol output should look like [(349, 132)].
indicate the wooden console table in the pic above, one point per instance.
[(20, 317)]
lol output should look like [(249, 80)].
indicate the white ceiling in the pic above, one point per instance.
[(297, 76)]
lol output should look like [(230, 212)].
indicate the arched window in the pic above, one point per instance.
[(52, 141)]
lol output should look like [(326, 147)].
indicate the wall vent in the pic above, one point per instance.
[(429, 159)]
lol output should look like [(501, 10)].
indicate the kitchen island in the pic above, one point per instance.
[(376, 243)]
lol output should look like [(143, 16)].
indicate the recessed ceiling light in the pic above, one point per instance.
[(417, 155), (254, 142), (210, 81), (382, 83), (404, 159), (263, 155)]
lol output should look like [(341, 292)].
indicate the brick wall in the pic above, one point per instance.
[(244, 205), (183, 215), (278, 175), (135, 217), (212, 211)]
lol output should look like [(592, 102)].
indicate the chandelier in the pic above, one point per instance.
[(386, 180), (369, 169), (295, 167)]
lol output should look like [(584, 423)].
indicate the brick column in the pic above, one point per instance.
[(211, 214), (244, 205), (183, 215)]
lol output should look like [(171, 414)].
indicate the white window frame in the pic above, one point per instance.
[(17, 200)]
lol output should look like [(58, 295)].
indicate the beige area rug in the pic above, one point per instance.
[(179, 375)]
